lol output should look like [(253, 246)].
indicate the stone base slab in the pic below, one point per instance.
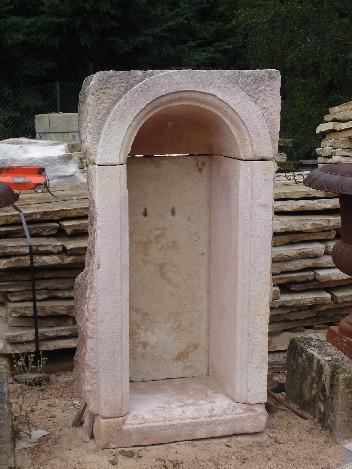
[(175, 410), (319, 380)]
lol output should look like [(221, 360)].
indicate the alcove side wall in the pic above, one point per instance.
[(240, 283)]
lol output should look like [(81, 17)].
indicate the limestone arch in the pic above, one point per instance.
[(224, 98)]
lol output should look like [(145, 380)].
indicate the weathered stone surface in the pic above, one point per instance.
[(306, 224), (279, 341), (42, 322), (341, 107), (316, 285), (341, 294), (42, 284), (329, 246), (345, 142), (324, 151), (330, 307), (298, 264), (297, 251), (302, 298), (24, 275), (7, 441), (18, 334), (40, 295), (298, 191), (46, 211), (19, 246), (305, 205), (35, 229), (347, 453), (345, 152), (275, 295), (330, 275), (45, 308), (340, 159), (319, 380), (342, 116), (41, 261), (289, 314), (304, 322), (287, 238), (333, 127), (74, 226), (304, 276), (340, 134), (323, 160), (75, 245), (50, 344)]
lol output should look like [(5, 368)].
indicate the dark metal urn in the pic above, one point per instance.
[(338, 178)]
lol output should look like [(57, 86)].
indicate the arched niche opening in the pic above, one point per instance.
[(185, 129), (171, 197)]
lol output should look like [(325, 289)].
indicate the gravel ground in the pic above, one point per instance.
[(288, 441)]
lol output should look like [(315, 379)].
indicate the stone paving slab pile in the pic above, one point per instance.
[(58, 226), (312, 294), (336, 133), (309, 293)]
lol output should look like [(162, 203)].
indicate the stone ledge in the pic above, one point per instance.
[(178, 409)]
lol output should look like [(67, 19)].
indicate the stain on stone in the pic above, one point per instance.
[(186, 352), (166, 270), (138, 321), (200, 165), (145, 212), (173, 211)]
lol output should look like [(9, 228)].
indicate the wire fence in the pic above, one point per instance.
[(19, 105)]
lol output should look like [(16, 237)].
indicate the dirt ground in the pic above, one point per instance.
[(288, 442)]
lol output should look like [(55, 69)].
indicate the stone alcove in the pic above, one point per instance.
[(199, 266)]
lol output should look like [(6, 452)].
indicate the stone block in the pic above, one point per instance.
[(298, 191), (319, 380), (304, 276), (313, 223), (341, 107), (302, 298), (305, 205), (299, 264), (330, 275), (347, 452), (288, 238), (7, 442), (330, 127), (297, 251), (341, 294)]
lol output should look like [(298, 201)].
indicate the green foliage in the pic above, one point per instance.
[(309, 42)]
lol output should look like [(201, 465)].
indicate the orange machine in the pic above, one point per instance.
[(24, 178)]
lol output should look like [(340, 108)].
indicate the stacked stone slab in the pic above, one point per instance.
[(336, 145), (58, 226), (309, 293)]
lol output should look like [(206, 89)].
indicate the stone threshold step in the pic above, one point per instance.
[(178, 409)]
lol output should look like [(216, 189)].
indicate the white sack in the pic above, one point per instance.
[(60, 168)]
